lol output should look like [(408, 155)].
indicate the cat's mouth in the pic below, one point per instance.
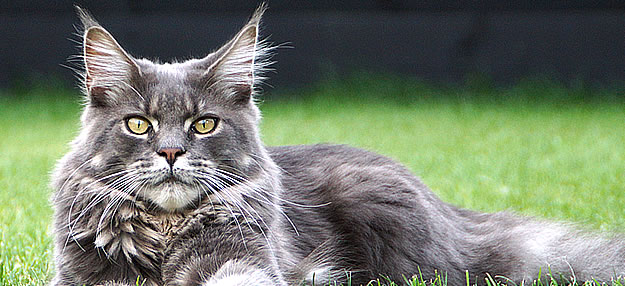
[(171, 191), (172, 177)]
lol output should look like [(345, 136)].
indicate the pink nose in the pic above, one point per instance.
[(170, 154)]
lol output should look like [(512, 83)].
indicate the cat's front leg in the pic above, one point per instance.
[(192, 266), (114, 283), (57, 281), (216, 251)]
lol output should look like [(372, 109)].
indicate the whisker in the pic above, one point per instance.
[(129, 182), (256, 215), (249, 189), (100, 197), (71, 224), (257, 190), (91, 184), (102, 193), (72, 175), (280, 198), (134, 90), (225, 203), (246, 209), (243, 179)]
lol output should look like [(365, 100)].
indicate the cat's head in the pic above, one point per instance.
[(171, 132)]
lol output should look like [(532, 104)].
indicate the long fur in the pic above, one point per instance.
[(226, 210)]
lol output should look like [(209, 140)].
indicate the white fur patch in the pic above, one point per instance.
[(233, 273), (236, 279), (246, 160), (319, 275), (541, 243), (96, 161), (171, 195), (172, 70)]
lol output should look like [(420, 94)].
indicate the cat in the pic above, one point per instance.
[(168, 183)]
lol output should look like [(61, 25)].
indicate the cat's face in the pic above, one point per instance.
[(171, 133)]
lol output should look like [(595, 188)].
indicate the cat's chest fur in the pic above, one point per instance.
[(139, 236)]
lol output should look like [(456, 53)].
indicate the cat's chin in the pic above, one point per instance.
[(171, 195)]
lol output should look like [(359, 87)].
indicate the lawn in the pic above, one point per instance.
[(536, 148)]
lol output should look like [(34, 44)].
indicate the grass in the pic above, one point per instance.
[(537, 148)]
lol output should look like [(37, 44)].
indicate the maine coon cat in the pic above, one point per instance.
[(168, 183)]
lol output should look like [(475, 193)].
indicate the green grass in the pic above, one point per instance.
[(537, 148)]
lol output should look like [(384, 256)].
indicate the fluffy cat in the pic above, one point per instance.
[(168, 183)]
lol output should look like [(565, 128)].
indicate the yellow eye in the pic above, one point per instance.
[(205, 125), (137, 125)]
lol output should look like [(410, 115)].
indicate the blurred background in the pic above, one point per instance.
[(434, 40)]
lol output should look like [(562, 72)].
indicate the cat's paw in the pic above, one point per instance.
[(112, 283), (234, 273)]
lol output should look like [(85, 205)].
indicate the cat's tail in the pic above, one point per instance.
[(530, 248), (576, 255)]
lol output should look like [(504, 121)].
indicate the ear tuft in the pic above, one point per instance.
[(85, 18), (108, 68), (258, 14), (240, 63)]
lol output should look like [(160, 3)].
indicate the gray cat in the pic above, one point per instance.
[(168, 183)]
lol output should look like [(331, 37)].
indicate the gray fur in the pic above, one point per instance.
[(229, 211), (389, 223)]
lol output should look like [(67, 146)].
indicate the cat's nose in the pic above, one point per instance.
[(170, 154)]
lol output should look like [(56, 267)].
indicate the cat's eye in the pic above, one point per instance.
[(205, 125), (137, 125)]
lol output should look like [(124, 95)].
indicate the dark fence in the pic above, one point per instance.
[(433, 40)]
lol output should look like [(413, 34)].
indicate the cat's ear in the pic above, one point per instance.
[(236, 68), (108, 68)]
